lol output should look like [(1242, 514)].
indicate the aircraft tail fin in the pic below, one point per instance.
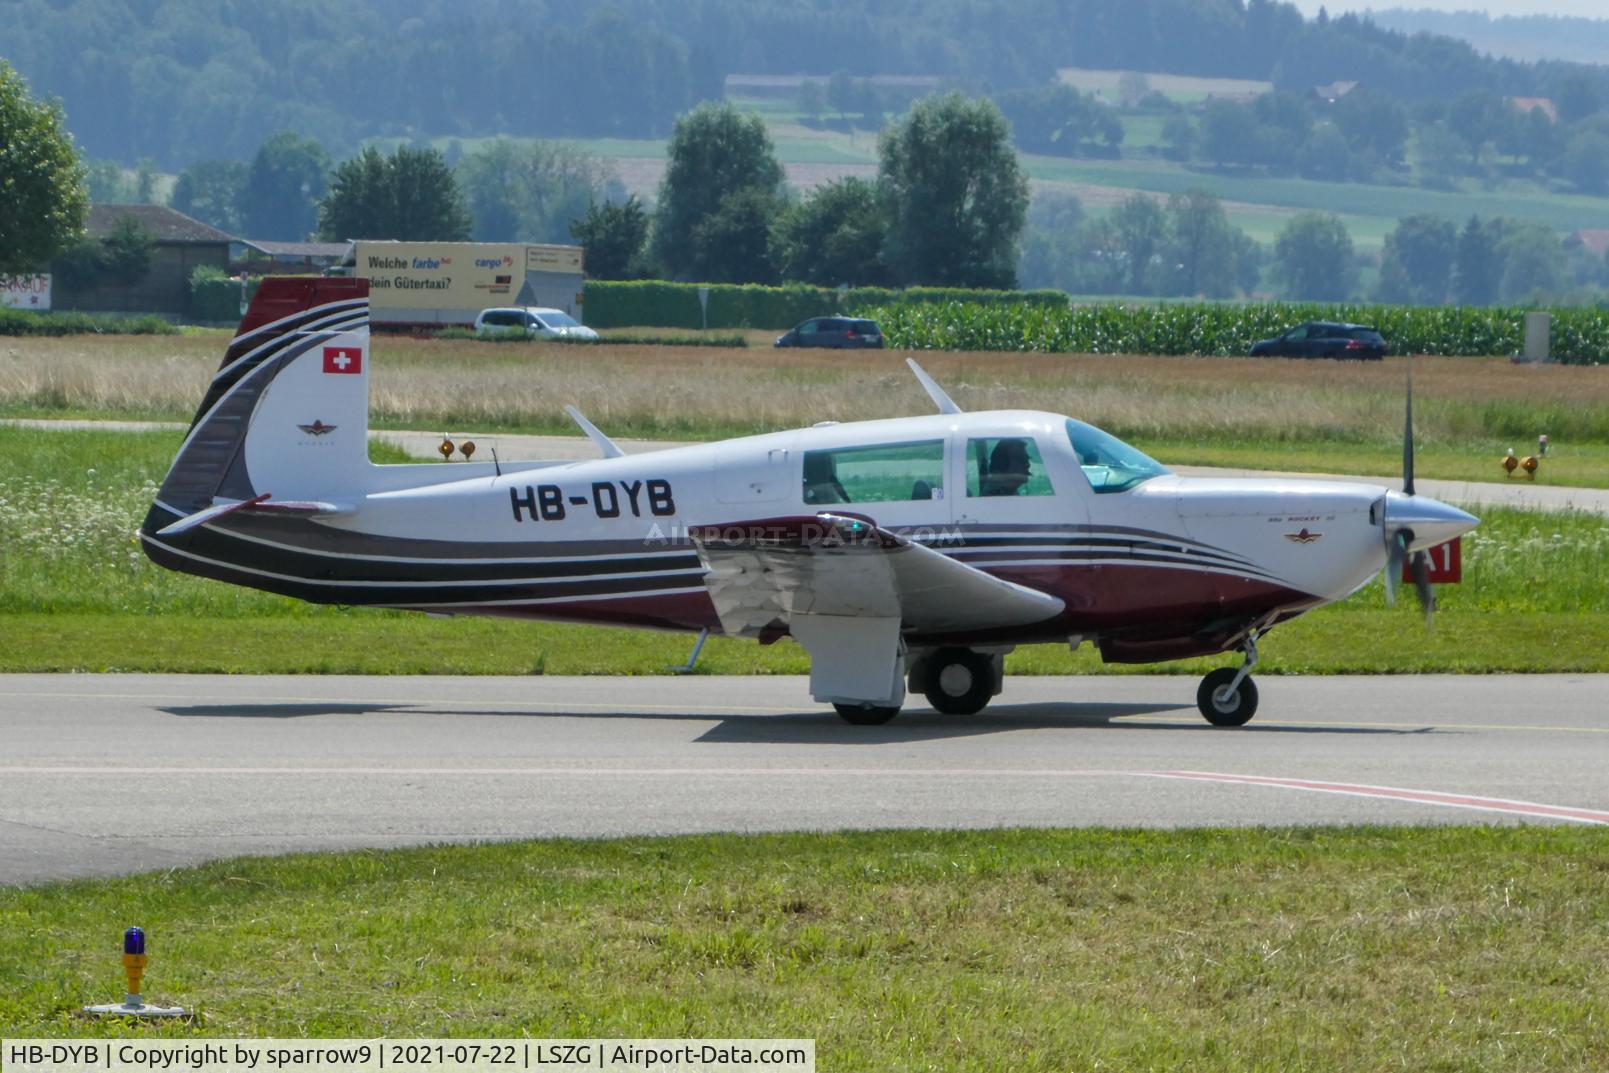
[(287, 410)]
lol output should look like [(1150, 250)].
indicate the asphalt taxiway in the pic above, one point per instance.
[(110, 774)]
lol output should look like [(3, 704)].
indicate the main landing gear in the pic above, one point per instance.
[(959, 681), (956, 681), (1228, 697)]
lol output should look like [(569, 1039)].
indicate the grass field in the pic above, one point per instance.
[(1463, 948), (76, 594), (1259, 414)]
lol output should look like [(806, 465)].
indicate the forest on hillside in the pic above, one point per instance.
[(181, 80)]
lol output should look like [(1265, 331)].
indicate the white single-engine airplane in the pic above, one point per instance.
[(915, 550)]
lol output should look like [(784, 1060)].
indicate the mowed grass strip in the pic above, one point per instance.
[(1461, 948), (78, 594)]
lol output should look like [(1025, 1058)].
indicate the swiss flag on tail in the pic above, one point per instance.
[(343, 359)]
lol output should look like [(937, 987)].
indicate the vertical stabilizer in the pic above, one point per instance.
[(287, 410)]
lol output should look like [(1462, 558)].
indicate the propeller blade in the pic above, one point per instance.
[(1407, 439), (1396, 547), (1420, 566)]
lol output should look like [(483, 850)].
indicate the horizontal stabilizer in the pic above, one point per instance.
[(254, 505)]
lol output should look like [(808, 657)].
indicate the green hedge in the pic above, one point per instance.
[(215, 300), (18, 322), (1579, 336), (657, 304)]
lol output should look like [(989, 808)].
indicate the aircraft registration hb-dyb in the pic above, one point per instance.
[(915, 550)]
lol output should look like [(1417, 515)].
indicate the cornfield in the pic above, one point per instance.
[(1580, 336)]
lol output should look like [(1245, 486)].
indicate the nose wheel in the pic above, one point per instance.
[(1228, 697)]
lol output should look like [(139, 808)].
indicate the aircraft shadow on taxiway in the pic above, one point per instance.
[(819, 727)]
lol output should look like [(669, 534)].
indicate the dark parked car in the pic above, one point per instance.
[(843, 332), (1324, 339)]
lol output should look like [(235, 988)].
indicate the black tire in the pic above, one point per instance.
[(866, 715), (959, 681), (1238, 710)]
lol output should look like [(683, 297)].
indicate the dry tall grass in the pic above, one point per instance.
[(688, 391)]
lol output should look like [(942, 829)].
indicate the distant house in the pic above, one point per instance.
[(180, 245), (1524, 105), (264, 258), (1333, 91), (1595, 240)]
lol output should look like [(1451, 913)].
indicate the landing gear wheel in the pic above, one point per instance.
[(1227, 710), (866, 715), (960, 681)]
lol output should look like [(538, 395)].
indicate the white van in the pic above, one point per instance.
[(536, 322)]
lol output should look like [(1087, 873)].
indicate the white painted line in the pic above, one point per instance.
[(1421, 797)]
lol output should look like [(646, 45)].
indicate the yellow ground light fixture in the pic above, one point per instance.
[(133, 1004)]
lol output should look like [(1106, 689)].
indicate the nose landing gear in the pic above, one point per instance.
[(1228, 697)]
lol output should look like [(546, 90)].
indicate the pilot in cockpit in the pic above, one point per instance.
[(1008, 469)]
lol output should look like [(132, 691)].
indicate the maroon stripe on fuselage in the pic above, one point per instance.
[(1099, 599)]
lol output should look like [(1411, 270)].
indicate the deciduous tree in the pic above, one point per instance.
[(715, 153), (956, 195), (211, 191), (1477, 265), (286, 181), (1200, 252), (614, 236), (43, 204), (1313, 257), (835, 235), (1417, 263), (532, 191), (409, 195)]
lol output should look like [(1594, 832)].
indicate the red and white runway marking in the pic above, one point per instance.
[(1395, 793)]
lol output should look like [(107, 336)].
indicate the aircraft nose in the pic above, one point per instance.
[(1430, 521)]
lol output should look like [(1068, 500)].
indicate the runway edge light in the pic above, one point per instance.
[(133, 1004)]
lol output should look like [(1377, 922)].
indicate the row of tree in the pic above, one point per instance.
[(1187, 247), (947, 206), (946, 209), (178, 80), (1366, 134)]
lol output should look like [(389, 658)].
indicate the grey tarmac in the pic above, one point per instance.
[(113, 774)]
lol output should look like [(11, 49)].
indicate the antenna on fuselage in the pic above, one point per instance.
[(605, 444), (945, 404)]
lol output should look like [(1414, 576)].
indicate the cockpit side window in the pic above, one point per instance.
[(1006, 466), (886, 473), (1110, 464)]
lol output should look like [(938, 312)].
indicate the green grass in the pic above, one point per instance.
[(1463, 948), (77, 594)]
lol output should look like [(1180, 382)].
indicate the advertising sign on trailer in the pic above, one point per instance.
[(450, 282), (25, 292)]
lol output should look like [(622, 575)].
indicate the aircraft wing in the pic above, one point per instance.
[(764, 573)]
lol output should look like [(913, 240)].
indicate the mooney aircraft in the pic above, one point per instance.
[(910, 552)]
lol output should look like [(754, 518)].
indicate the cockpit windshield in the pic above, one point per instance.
[(1110, 464)]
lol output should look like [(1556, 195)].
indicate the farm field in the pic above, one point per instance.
[(1260, 205)]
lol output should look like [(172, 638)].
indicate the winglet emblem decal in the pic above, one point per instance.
[(317, 428), (1304, 536)]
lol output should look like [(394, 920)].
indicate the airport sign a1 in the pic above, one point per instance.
[(25, 292)]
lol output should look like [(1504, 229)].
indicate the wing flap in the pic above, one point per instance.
[(763, 573)]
